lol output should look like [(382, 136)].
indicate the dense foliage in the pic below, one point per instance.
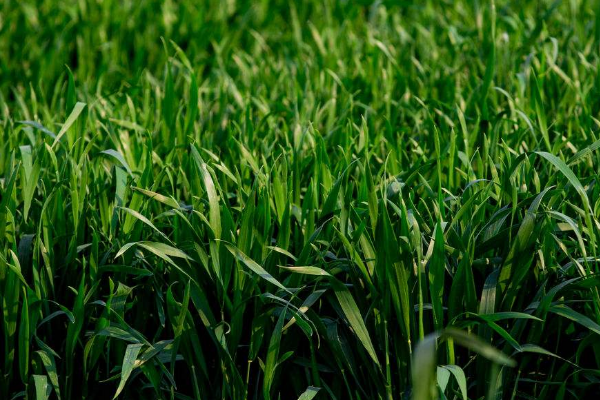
[(317, 199)]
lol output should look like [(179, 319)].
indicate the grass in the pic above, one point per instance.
[(297, 200)]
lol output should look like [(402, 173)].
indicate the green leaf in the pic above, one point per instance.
[(499, 316), (353, 316), (211, 191), (424, 360), (31, 177), (115, 154), (309, 393), (477, 345), (37, 125), (539, 110), (423, 368), (192, 110), (443, 377), (330, 204), (282, 251), (307, 270), (569, 313), (145, 220), (24, 339), (437, 272), (169, 201), (533, 348), (77, 109), (42, 387), (127, 125), (163, 250), (568, 173), (50, 367), (272, 360), (459, 375), (257, 269), (129, 363)]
